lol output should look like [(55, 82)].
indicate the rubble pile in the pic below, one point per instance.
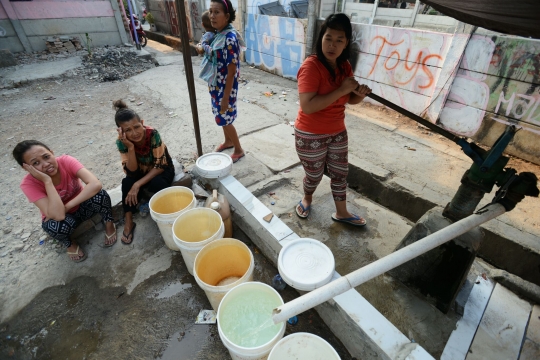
[(63, 45), (114, 63)]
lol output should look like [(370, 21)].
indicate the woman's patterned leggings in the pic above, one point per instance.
[(62, 230), (314, 151)]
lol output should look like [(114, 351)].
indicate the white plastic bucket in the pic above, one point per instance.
[(306, 264), (238, 296), (165, 207), (195, 228), (220, 266), (303, 346)]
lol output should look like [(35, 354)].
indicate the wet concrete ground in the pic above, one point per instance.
[(354, 248), (84, 320)]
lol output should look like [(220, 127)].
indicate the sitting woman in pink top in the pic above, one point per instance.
[(54, 185)]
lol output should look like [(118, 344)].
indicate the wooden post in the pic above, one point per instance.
[(188, 68)]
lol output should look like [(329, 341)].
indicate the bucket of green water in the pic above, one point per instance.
[(245, 323)]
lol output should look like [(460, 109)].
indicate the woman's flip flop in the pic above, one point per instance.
[(77, 253), (350, 220), (222, 147), (131, 233), (108, 237), (235, 158), (304, 209)]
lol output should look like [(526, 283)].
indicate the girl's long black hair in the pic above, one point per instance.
[(339, 22)]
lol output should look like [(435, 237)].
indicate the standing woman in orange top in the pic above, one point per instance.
[(325, 84)]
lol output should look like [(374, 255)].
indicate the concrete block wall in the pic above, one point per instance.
[(8, 37), (41, 19)]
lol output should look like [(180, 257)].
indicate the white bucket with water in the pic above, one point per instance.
[(165, 207), (303, 346), (220, 266), (195, 228), (245, 323)]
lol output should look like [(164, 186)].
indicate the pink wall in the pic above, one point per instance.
[(55, 9)]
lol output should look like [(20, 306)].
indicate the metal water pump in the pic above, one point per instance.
[(440, 273)]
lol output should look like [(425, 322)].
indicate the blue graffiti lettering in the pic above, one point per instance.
[(274, 48)]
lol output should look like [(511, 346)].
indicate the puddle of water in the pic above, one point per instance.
[(188, 345), (73, 299), (172, 289)]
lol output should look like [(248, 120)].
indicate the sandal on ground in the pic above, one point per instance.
[(222, 147), (131, 233), (81, 258), (235, 158), (304, 209), (350, 221), (108, 237)]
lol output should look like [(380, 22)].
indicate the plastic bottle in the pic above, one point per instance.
[(219, 203), (278, 283)]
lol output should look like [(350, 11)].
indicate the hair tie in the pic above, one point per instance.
[(227, 6)]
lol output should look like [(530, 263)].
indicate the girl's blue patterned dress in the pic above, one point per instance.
[(229, 54)]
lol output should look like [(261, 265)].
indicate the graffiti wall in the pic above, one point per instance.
[(499, 80), (498, 84), (276, 44), (400, 65)]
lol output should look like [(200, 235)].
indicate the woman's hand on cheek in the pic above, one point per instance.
[(349, 84), (36, 173), (122, 137)]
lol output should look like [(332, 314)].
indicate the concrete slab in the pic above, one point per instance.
[(273, 146), (502, 328), (249, 170), (44, 70), (459, 342), (531, 346)]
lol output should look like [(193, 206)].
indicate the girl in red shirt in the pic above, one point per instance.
[(325, 84)]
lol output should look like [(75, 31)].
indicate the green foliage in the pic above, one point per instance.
[(150, 18), (88, 44)]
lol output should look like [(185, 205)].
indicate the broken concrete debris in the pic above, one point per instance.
[(63, 44), (113, 64)]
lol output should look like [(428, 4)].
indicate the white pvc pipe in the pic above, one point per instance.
[(376, 268)]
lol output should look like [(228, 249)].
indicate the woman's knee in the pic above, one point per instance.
[(60, 230), (127, 184)]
